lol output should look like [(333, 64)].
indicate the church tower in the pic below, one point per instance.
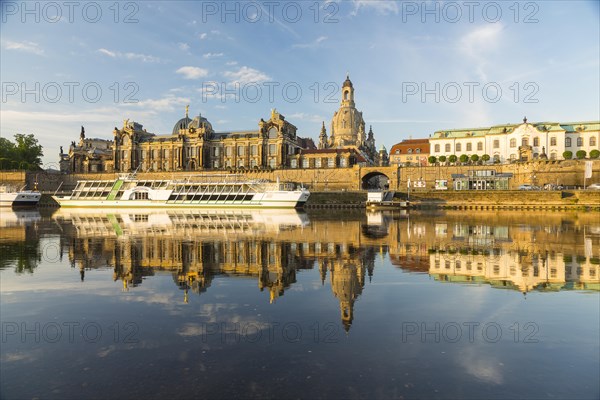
[(347, 124), (323, 137)]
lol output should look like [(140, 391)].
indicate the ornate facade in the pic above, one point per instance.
[(514, 142), (193, 145), (348, 128)]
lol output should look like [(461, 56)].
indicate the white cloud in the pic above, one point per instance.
[(230, 63), (307, 117), (383, 7), (315, 43), (478, 43), (203, 36), (189, 72), (212, 55), (107, 52), (183, 46), (129, 55), (246, 75), (26, 46), (167, 103)]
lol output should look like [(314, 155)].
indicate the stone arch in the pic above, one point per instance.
[(375, 180)]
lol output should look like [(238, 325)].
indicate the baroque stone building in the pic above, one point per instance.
[(519, 142), (348, 128), (194, 145)]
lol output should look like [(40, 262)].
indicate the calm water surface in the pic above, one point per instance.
[(189, 304)]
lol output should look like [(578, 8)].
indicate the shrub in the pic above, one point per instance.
[(442, 159), (432, 159), (567, 155), (452, 158), (464, 158), (474, 158), (594, 153), (581, 154), (485, 157)]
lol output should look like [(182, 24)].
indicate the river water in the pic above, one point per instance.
[(282, 304)]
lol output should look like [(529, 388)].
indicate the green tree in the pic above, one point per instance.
[(442, 159), (474, 158), (464, 158), (24, 153), (594, 153), (452, 158), (581, 154), (567, 155), (485, 157), (432, 159)]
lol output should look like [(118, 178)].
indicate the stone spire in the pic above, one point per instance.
[(323, 137)]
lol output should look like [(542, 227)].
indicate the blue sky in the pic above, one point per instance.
[(417, 67)]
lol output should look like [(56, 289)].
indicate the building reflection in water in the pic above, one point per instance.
[(550, 252)]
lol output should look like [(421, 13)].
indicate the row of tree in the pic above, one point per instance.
[(463, 158), (567, 155), (24, 153)]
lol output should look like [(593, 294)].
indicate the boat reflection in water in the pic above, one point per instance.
[(273, 245), (375, 292)]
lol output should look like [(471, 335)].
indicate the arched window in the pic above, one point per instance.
[(469, 146), (513, 142), (479, 146), (409, 151), (447, 147), (536, 141), (592, 141), (524, 142), (437, 148), (579, 141), (458, 147), (568, 142), (418, 150), (553, 141), (346, 93)]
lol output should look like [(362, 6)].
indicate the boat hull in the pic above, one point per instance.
[(294, 199), (20, 199)]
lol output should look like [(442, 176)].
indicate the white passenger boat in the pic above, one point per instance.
[(18, 198), (209, 191)]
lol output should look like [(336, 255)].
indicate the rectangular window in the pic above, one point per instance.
[(240, 150), (272, 163), (496, 144), (228, 151), (459, 147), (447, 147), (553, 141), (331, 162), (293, 163), (536, 141), (579, 141), (253, 163), (305, 163), (272, 149), (469, 146), (437, 148), (317, 163), (343, 162), (567, 142), (479, 146), (253, 150)]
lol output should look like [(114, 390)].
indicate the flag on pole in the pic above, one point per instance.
[(588, 170)]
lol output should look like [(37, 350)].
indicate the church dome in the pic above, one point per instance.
[(347, 82), (200, 122), (183, 123)]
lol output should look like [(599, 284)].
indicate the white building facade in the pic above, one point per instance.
[(525, 141)]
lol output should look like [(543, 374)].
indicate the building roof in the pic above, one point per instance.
[(403, 146), (569, 127)]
